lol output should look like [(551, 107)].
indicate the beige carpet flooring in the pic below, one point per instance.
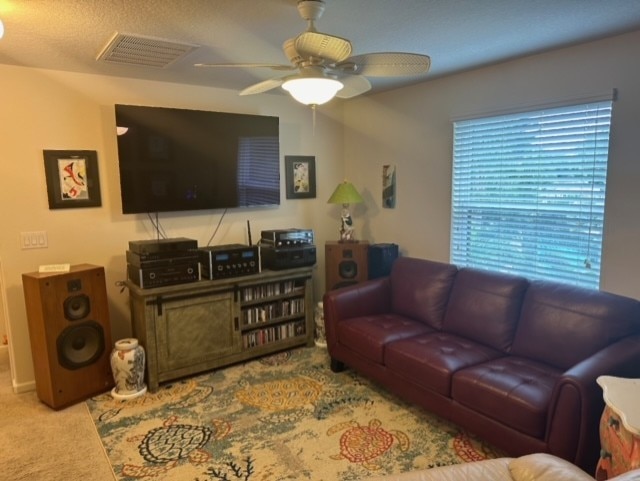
[(40, 444)]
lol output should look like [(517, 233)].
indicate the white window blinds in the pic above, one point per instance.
[(529, 190)]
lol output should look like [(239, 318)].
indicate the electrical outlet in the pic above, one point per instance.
[(34, 240)]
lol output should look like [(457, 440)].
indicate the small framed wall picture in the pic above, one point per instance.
[(72, 178), (300, 176)]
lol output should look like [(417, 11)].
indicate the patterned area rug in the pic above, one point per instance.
[(281, 417)]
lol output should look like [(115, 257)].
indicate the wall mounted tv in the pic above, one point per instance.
[(176, 159)]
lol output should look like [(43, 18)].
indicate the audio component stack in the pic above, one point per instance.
[(287, 248), (230, 260), (163, 262)]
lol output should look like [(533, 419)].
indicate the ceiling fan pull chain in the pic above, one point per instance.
[(313, 122)]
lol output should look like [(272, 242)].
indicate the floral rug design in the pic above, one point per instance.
[(281, 417)]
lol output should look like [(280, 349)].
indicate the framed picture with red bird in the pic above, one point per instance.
[(72, 178)]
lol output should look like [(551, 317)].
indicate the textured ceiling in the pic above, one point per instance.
[(457, 34)]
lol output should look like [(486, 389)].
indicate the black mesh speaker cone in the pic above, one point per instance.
[(348, 269), (80, 345), (76, 307)]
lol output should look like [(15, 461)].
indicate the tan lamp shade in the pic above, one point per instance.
[(345, 193)]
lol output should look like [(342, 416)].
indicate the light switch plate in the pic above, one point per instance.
[(34, 240)]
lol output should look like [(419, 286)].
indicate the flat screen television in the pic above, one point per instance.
[(177, 159)]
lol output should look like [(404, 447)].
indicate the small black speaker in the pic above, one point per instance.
[(381, 259)]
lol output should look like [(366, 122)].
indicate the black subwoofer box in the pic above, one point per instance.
[(381, 259)]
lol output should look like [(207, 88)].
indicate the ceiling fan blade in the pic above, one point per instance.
[(263, 86), (247, 65), (353, 85), (387, 64), (315, 44)]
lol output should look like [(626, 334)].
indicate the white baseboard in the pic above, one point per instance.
[(17, 388), (24, 387)]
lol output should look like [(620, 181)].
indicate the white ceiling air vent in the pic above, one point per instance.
[(128, 49)]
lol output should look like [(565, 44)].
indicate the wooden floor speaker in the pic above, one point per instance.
[(346, 263), (70, 332)]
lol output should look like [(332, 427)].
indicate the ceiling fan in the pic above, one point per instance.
[(325, 67)]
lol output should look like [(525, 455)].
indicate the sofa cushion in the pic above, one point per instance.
[(420, 289), (562, 325), (430, 360), (368, 335), (484, 306), (511, 390)]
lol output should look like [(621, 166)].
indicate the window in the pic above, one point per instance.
[(529, 190)]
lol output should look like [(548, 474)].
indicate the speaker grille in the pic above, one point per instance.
[(80, 345), (76, 307), (348, 269)]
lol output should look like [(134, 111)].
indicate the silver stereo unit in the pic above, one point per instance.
[(280, 238)]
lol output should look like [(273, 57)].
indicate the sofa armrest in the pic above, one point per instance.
[(577, 401), (545, 467), (364, 299)]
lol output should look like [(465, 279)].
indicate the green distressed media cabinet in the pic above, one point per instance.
[(191, 328)]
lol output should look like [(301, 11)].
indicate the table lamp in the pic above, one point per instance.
[(346, 194)]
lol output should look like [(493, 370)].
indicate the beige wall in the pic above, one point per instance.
[(57, 110), (409, 127), (412, 128)]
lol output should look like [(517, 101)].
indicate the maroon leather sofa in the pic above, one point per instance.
[(511, 360)]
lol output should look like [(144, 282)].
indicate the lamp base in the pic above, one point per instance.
[(346, 225)]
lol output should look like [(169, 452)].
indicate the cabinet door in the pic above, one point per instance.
[(196, 329)]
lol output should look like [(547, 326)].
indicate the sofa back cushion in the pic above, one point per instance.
[(420, 289), (562, 325), (485, 306)]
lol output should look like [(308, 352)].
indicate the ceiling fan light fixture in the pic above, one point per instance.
[(311, 90)]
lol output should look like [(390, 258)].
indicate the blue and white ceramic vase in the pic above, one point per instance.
[(320, 337), (127, 365)]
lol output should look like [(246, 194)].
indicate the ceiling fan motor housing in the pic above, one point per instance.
[(311, 10), (326, 59)]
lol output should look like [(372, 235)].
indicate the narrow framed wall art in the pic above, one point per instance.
[(388, 186), (300, 176)]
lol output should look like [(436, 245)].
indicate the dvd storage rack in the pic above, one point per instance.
[(191, 328), (272, 312)]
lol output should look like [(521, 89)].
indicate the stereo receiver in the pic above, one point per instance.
[(230, 260), (287, 237), (162, 245), (149, 277), (288, 257)]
